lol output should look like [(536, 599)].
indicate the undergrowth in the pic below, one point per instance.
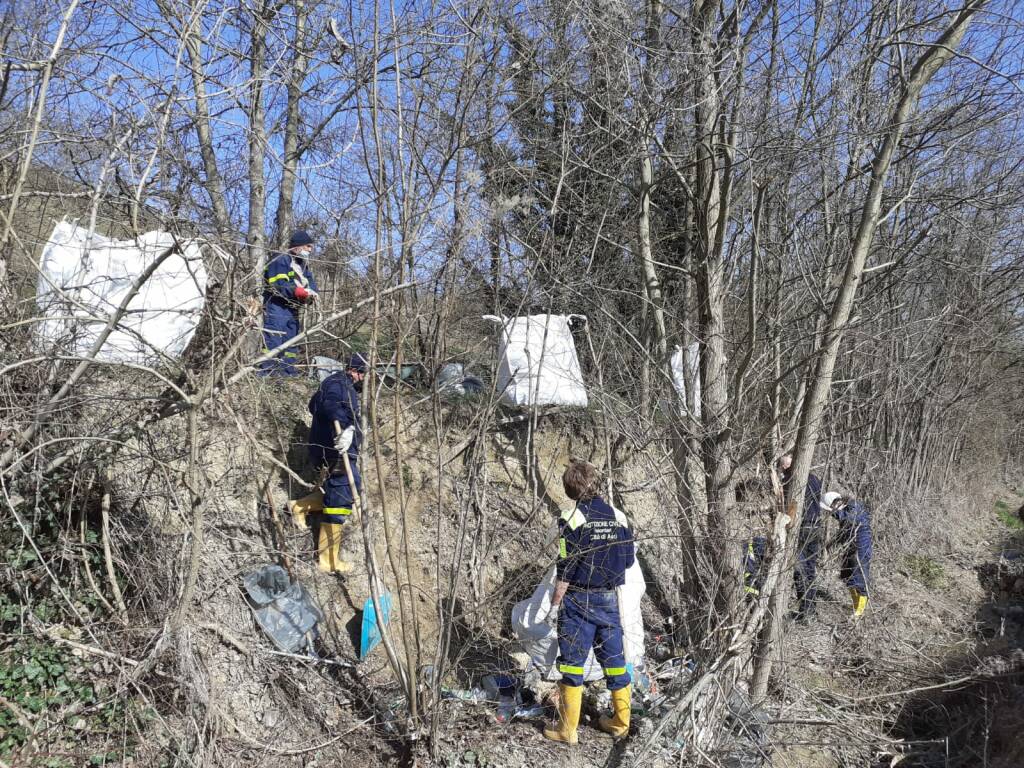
[(1009, 517), (926, 570), (58, 707)]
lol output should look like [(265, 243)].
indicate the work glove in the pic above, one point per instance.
[(552, 618), (305, 295), (344, 439)]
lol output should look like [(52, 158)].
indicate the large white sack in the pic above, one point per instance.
[(537, 362), (540, 641), (681, 377), (84, 279)]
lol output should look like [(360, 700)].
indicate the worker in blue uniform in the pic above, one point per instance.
[(595, 547), (808, 541), (855, 536), (288, 284), (335, 430)]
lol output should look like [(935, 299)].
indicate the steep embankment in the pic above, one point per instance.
[(457, 521)]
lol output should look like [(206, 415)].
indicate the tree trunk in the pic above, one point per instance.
[(256, 238), (290, 159), (214, 182), (711, 295)]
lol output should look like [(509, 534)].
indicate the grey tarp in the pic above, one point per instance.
[(283, 608)]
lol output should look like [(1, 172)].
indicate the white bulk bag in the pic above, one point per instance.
[(83, 279), (540, 641), (681, 377), (538, 363)]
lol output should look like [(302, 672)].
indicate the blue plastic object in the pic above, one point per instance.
[(370, 636)]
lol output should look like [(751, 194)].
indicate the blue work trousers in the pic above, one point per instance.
[(591, 620), (338, 496), (280, 326), (856, 568)]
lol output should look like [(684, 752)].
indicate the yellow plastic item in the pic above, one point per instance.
[(307, 505), (618, 724), (570, 699), (860, 602), (329, 546)]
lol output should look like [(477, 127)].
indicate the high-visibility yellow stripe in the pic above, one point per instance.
[(337, 511), (282, 276), (751, 590), (569, 669), (291, 354), (613, 671), (561, 548)]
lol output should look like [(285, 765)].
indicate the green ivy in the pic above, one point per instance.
[(40, 678)]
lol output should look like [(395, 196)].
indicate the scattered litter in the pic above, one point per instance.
[(370, 635), (452, 382), (405, 373), (475, 694), (513, 699), (283, 609)]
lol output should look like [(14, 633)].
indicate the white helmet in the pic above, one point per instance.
[(829, 500)]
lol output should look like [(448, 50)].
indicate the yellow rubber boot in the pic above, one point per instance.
[(329, 546), (618, 724), (860, 602), (570, 699), (299, 508)]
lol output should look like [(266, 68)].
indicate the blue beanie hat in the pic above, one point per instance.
[(357, 363), (299, 238)]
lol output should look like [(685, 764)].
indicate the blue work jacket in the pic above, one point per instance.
[(594, 547), (280, 279), (336, 400)]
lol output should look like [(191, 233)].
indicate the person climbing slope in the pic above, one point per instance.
[(595, 547), (335, 431)]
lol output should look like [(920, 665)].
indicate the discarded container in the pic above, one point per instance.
[(84, 277), (476, 694), (283, 609), (537, 362), (507, 714)]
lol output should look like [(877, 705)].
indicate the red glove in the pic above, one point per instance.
[(302, 294)]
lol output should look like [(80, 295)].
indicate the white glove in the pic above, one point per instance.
[(344, 440), (552, 618), (313, 295)]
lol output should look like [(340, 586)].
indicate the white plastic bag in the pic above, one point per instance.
[(540, 641), (537, 362), (83, 279), (681, 377)]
